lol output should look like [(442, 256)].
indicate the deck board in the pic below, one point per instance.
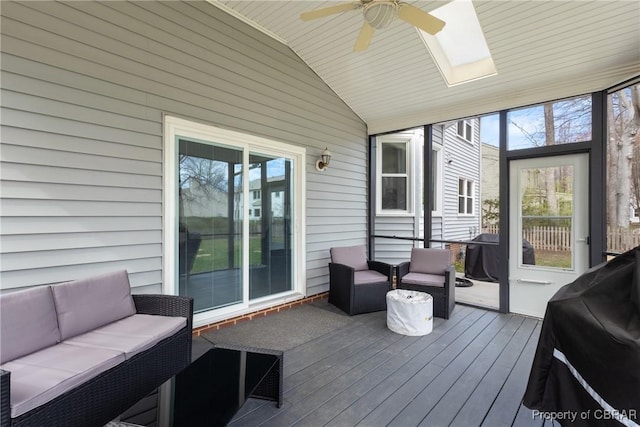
[(482, 397), (462, 387), (470, 371), (508, 402)]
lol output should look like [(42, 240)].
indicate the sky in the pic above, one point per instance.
[(490, 129), (526, 125)]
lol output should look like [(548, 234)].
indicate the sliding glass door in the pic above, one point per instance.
[(233, 223), (210, 224)]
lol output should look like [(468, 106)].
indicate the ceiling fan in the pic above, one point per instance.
[(379, 14)]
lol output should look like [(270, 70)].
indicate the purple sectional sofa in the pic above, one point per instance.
[(81, 352)]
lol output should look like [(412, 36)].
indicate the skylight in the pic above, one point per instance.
[(460, 49)]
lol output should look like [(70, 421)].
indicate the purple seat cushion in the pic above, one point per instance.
[(368, 276), (352, 256), (429, 261), (86, 304), (44, 375), (28, 322), (130, 335), (423, 279)]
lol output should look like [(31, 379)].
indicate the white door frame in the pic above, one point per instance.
[(531, 286)]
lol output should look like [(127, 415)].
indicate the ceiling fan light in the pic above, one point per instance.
[(379, 14)]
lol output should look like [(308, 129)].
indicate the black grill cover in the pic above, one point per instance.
[(482, 261), (587, 361)]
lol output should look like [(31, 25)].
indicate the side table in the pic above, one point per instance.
[(212, 389)]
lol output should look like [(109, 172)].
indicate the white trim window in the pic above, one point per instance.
[(394, 170), (466, 193), (464, 129)]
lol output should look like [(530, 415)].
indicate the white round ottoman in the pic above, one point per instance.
[(409, 312)]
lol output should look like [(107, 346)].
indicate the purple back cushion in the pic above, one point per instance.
[(429, 260), (28, 322), (353, 256), (86, 304)]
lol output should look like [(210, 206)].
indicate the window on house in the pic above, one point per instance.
[(465, 197), (256, 212), (394, 176), (256, 194), (465, 130)]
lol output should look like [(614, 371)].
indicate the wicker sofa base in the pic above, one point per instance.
[(102, 398)]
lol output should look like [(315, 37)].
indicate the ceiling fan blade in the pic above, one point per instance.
[(321, 13), (364, 38), (419, 18)]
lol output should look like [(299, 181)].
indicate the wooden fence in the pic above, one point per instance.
[(559, 238), (622, 239)]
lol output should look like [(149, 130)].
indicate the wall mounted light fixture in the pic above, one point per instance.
[(323, 162)]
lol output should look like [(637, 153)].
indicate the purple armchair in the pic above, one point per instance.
[(356, 284), (430, 270)]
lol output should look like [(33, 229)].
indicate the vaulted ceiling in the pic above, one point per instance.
[(542, 50)]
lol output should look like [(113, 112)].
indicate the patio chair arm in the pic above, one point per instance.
[(341, 274), (450, 276), (402, 269), (450, 287), (5, 396), (381, 267)]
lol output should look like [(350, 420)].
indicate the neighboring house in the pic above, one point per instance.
[(455, 191), (634, 215), (276, 201)]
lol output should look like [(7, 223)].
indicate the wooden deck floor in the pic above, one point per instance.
[(470, 371)]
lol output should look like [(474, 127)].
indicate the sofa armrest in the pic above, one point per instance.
[(382, 267), (5, 396), (165, 305)]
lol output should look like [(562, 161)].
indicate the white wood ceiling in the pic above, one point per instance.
[(542, 49)]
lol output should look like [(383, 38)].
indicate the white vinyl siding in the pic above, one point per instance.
[(462, 160), (84, 89)]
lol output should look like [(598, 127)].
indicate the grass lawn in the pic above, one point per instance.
[(213, 254), (557, 259)]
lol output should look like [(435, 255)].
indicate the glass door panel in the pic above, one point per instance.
[(548, 227), (210, 224), (547, 216), (270, 233)]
